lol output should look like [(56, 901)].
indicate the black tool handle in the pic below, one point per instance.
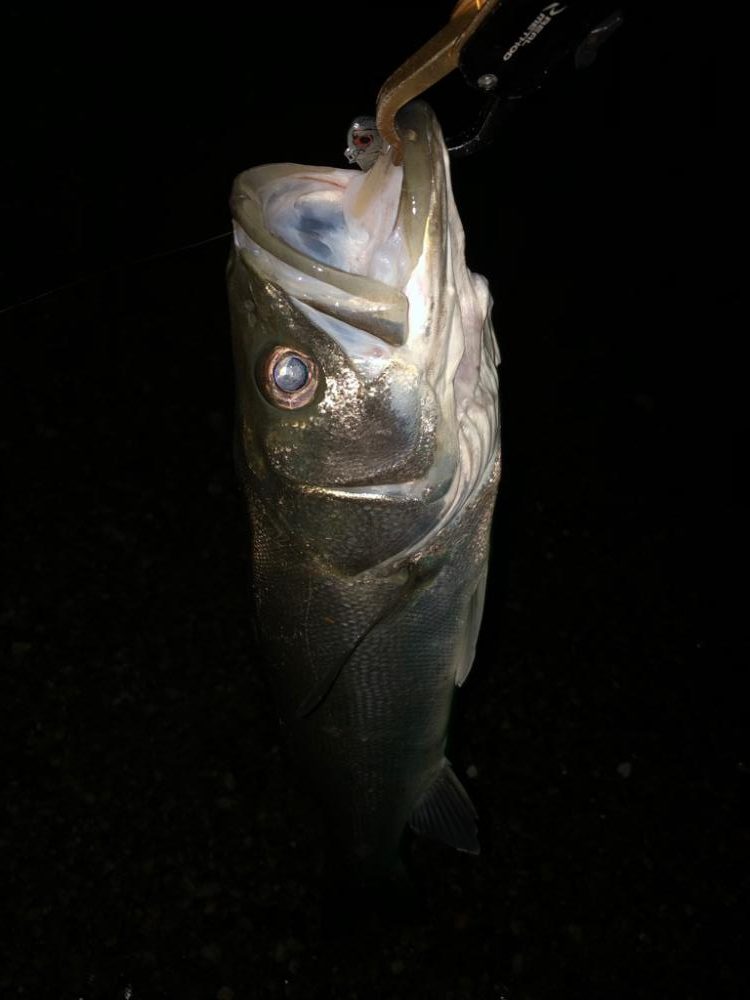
[(521, 41)]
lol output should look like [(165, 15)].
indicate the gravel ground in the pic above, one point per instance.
[(156, 842)]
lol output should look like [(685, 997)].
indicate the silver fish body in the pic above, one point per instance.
[(371, 485)]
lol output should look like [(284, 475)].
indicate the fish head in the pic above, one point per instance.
[(364, 352)]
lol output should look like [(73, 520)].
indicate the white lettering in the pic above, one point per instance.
[(539, 23)]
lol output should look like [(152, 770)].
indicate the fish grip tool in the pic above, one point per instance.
[(504, 49), (435, 59)]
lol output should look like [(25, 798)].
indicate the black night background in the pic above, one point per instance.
[(155, 841)]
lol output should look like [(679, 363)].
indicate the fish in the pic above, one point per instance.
[(368, 448)]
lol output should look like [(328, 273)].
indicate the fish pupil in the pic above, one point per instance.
[(290, 373)]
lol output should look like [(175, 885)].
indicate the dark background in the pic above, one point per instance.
[(155, 840)]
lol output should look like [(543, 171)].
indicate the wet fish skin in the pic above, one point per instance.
[(369, 537)]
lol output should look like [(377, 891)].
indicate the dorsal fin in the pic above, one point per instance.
[(445, 813)]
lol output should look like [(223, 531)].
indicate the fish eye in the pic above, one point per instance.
[(289, 378), (290, 373)]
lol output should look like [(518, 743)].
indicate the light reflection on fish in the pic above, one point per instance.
[(368, 444)]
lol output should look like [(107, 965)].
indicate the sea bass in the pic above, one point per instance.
[(368, 445)]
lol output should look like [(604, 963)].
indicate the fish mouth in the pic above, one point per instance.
[(344, 244)]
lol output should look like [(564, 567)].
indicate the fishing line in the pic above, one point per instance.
[(115, 267)]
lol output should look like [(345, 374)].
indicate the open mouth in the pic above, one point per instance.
[(343, 242), (368, 224)]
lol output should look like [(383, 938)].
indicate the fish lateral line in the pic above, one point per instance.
[(419, 579)]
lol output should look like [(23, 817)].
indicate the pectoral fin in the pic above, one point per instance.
[(471, 629), (445, 813)]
